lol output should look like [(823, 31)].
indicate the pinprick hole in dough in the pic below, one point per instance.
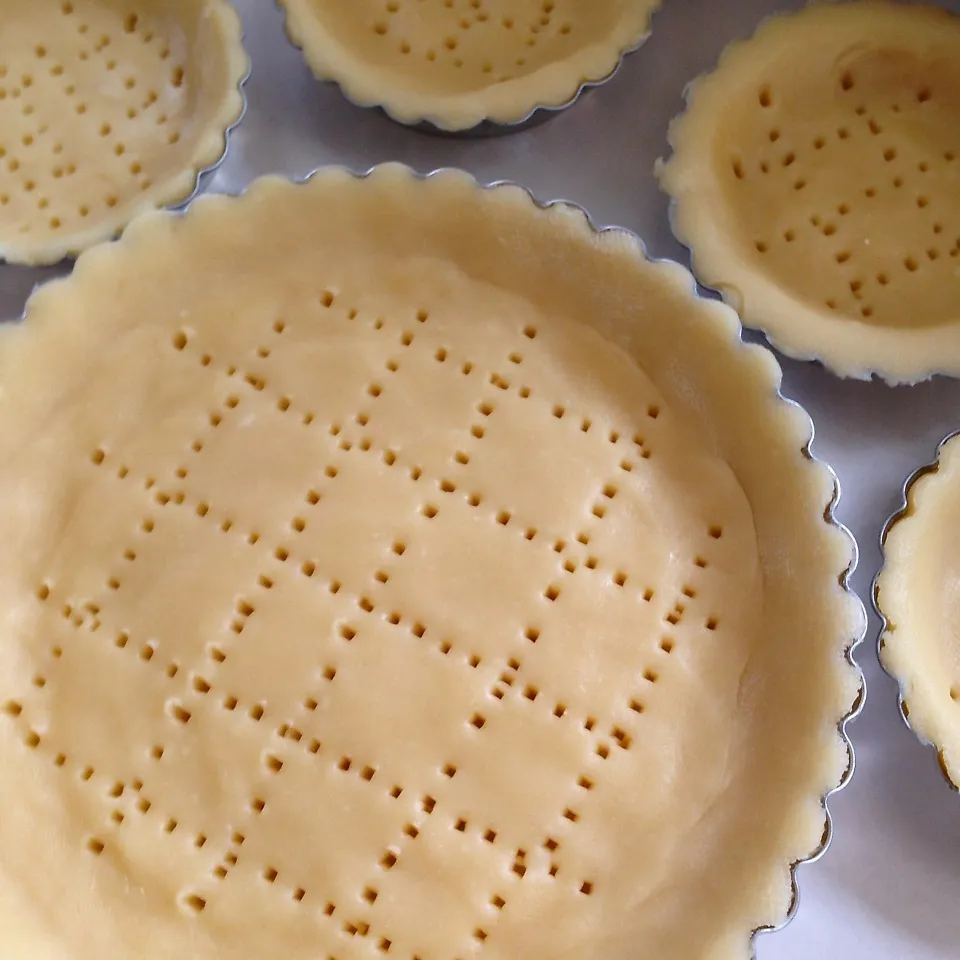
[(180, 713)]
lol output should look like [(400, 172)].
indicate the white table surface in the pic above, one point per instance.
[(889, 886)]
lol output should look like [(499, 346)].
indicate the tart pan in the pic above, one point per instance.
[(915, 654), (109, 109), (730, 689), (431, 70), (790, 163)]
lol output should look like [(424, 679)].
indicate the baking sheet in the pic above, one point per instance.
[(889, 886)]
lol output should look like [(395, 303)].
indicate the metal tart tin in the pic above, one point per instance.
[(899, 514), (538, 114)]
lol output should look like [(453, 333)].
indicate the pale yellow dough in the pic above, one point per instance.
[(393, 566), (918, 593), (456, 63), (108, 108), (816, 179)]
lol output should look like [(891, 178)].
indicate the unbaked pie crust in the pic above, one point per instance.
[(391, 565), (816, 179), (108, 108), (917, 595), (457, 64)]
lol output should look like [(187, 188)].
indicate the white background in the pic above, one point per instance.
[(889, 887)]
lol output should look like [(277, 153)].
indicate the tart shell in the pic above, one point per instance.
[(789, 164), (735, 870), (496, 104), (107, 112), (912, 595)]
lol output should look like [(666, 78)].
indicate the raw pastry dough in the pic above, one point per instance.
[(456, 64), (391, 565), (918, 594), (108, 108), (816, 175)]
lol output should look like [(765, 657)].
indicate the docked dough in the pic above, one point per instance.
[(391, 565), (107, 109), (458, 64), (816, 179)]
